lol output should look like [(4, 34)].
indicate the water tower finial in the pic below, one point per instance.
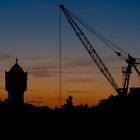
[(16, 60)]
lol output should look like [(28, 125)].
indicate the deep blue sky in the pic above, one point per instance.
[(29, 29), (34, 23)]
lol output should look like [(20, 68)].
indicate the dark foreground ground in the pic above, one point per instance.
[(112, 118)]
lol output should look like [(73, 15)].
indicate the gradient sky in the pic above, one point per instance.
[(29, 30)]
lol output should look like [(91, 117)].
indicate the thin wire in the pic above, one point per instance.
[(60, 60), (100, 36)]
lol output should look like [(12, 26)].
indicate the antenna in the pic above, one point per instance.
[(16, 60)]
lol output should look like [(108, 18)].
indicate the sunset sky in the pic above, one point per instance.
[(29, 30)]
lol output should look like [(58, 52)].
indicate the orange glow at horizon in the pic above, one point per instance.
[(45, 91)]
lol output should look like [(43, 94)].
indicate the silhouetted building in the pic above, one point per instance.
[(16, 84)]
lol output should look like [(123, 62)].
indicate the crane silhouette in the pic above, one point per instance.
[(131, 61)]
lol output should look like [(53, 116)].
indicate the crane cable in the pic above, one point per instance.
[(100, 36)]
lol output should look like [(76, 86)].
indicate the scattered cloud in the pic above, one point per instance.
[(80, 66), (42, 73), (51, 69), (4, 56), (77, 91), (80, 80), (34, 58), (36, 101), (44, 66), (37, 57), (42, 70), (81, 62)]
